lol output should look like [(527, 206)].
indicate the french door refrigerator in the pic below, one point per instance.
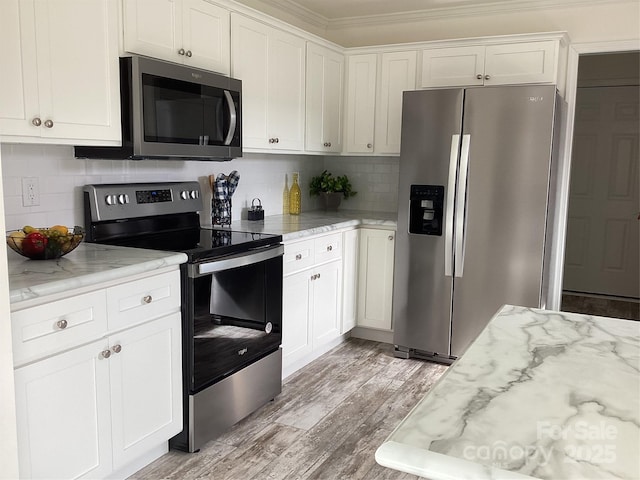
[(475, 173)]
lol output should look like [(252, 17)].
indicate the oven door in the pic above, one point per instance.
[(235, 313)]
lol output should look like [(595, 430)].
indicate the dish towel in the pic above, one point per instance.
[(223, 189)]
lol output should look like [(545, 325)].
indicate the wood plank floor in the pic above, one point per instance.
[(327, 423)]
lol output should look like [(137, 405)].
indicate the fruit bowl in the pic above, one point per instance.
[(44, 243)]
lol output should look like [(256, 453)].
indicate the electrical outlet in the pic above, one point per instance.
[(30, 191)]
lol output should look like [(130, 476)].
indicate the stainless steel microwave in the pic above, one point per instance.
[(172, 111)]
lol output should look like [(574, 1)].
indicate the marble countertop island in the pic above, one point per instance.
[(539, 394), (89, 264), (293, 227)]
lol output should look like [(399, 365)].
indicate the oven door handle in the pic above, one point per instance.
[(235, 261)]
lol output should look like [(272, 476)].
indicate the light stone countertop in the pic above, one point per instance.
[(293, 227), (539, 394), (89, 264)]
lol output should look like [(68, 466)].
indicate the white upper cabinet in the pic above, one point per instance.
[(192, 32), (361, 102), (499, 64), (60, 77), (325, 79), (271, 65), (398, 74), (374, 100)]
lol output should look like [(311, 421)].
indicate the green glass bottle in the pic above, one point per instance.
[(295, 196)]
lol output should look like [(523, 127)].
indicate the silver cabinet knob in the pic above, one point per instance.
[(313, 277), (390, 237), (117, 348), (36, 122), (329, 248), (105, 353), (318, 276), (147, 299), (48, 123), (487, 77), (188, 54), (181, 51), (299, 256), (369, 145), (479, 76), (61, 324), (276, 140), (271, 140)]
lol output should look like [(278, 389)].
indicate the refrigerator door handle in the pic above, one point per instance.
[(461, 200), (448, 220)]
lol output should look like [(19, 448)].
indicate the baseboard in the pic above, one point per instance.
[(383, 336)]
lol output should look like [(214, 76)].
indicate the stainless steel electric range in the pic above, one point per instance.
[(231, 298)]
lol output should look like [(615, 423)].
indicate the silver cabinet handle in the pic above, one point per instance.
[(479, 76), (188, 54), (390, 237), (181, 51), (329, 248), (61, 324), (299, 256), (369, 145), (48, 123), (487, 77), (117, 348), (36, 122), (105, 353), (147, 299)]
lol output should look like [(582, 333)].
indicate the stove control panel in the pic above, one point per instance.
[(131, 200)]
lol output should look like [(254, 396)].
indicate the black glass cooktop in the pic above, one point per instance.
[(200, 243)]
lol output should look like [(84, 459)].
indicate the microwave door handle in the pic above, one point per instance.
[(233, 118)]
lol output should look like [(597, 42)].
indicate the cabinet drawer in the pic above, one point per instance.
[(297, 256), (46, 329), (142, 300), (328, 247)]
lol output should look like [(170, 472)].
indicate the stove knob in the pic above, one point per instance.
[(110, 199), (194, 194), (122, 199), (184, 195)]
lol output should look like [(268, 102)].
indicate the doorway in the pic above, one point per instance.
[(602, 266)]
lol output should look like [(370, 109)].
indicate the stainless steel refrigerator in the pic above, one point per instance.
[(475, 173)]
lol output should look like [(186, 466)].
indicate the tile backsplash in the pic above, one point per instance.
[(60, 178)]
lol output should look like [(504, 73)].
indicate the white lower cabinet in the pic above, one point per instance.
[(375, 278), (99, 405), (312, 300)]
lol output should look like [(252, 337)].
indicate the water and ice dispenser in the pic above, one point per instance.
[(426, 206)]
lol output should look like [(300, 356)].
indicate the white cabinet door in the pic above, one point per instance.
[(325, 77), (529, 62), (271, 65), (361, 102), (349, 279), (145, 370), (453, 66), (296, 331), (286, 75), (63, 415), (19, 92), (326, 302), (398, 74), (205, 36), (153, 28), (375, 278), (500, 64), (74, 44), (250, 63)]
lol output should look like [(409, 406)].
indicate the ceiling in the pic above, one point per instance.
[(342, 12)]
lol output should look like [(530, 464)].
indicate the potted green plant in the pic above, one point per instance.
[(331, 189)]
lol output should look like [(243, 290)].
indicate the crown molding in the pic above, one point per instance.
[(291, 7)]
